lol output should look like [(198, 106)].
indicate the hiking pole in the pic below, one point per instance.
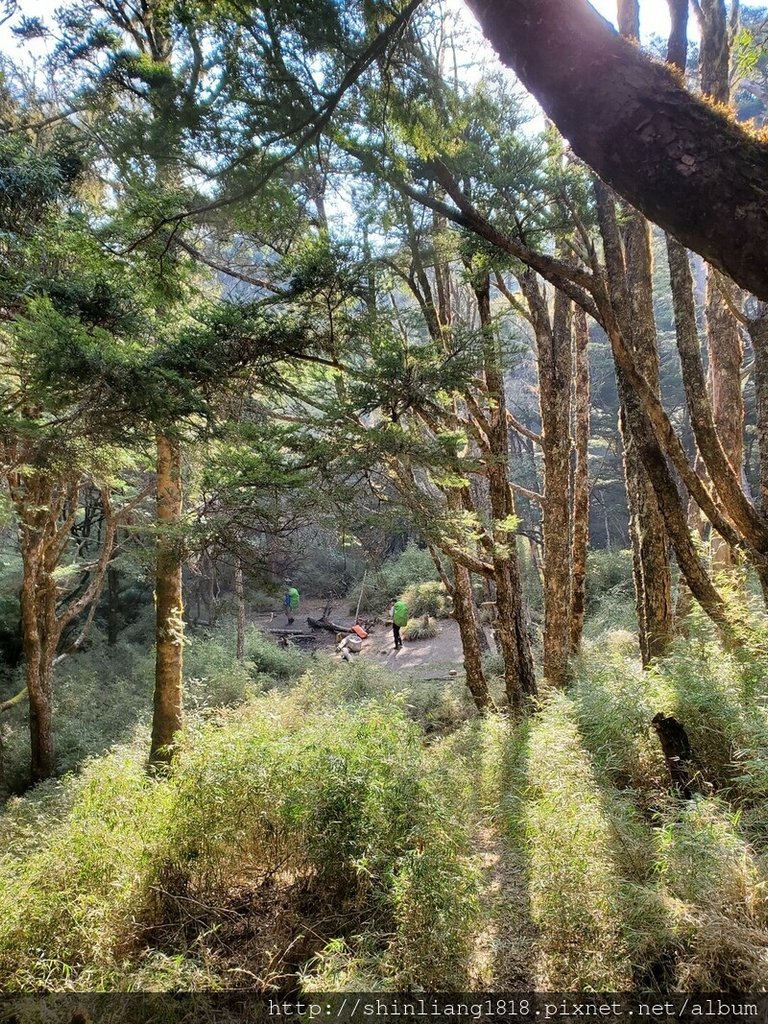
[(359, 600)]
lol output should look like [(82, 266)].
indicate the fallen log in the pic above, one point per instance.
[(292, 634), (330, 626)]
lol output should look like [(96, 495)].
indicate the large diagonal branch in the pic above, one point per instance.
[(684, 164), (554, 271), (14, 701), (724, 478)]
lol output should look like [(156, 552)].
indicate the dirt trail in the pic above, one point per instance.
[(442, 653), (505, 950)]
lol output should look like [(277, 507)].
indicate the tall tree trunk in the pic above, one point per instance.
[(113, 605), (512, 625), (38, 609), (758, 335), (465, 615), (629, 273), (581, 431), (167, 717), (240, 604), (640, 427), (634, 306), (46, 508), (724, 344), (652, 532), (553, 346)]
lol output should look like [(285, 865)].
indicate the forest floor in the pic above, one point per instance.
[(439, 655), (418, 659)]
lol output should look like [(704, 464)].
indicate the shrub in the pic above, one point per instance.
[(383, 586), (420, 629), (609, 575), (435, 705), (610, 593), (273, 834), (709, 868), (427, 599)]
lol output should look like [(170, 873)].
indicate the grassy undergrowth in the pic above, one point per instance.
[(309, 836), (104, 695), (282, 834)]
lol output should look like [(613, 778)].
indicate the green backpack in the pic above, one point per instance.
[(400, 613), (293, 594)]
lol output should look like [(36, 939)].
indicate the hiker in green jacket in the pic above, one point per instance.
[(399, 619), (291, 602)]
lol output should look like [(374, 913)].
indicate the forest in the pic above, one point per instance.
[(384, 500)]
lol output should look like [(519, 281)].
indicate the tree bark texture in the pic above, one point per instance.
[(724, 344), (240, 604), (724, 475), (512, 624), (469, 628), (629, 274), (758, 335), (683, 164), (581, 432), (677, 45), (46, 508), (169, 630), (653, 546), (553, 347), (636, 398)]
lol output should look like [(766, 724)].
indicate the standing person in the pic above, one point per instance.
[(291, 602), (399, 619)]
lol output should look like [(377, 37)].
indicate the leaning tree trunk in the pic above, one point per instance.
[(652, 539), (638, 400), (726, 354), (167, 717), (758, 335), (629, 274)]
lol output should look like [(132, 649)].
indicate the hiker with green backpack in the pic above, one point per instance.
[(291, 602), (399, 619)]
